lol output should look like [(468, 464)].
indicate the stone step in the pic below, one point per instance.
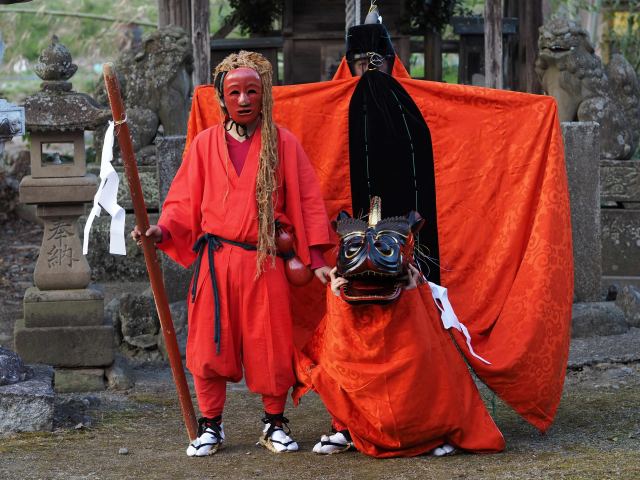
[(79, 346), (79, 380), (589, 319), (63, 308)]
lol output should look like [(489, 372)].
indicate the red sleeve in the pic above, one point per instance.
[(317, 258), (166, 234), (180, 219), (314, 213)]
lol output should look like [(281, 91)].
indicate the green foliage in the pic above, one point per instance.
[(256, 16), (624, 36), (27, 34), (432, 15)]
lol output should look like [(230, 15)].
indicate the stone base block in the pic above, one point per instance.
[(79, 380), (591, 319), (58, 190), (63, 308), (80, 346), (28, 406)]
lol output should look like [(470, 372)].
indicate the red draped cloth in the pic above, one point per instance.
[(503, 220)]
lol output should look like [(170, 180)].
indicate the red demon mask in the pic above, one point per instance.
[(242, 89)]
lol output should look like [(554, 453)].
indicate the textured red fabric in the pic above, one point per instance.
[(274, 404), (503, 220), (392, 376), (212, 394)]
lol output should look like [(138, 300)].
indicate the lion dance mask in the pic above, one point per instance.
[(374, 256)]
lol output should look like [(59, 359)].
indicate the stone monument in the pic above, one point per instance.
[(63, 315)]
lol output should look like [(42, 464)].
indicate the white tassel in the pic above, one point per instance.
[(107, 198), (449, 318)]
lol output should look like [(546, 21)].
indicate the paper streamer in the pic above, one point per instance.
[(107, 198), (449, 318)]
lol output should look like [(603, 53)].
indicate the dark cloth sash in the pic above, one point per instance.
[(214, 243)]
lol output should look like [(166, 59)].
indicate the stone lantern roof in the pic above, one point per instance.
[(57, 107)]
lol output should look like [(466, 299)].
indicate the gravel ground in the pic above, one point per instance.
[(596, 436)]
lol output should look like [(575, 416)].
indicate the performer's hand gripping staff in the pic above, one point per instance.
[(150, 256)]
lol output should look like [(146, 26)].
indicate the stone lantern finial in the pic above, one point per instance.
[(55, 66)]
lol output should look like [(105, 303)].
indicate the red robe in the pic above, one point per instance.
[(504, 225), (208, 196), (393, 377)]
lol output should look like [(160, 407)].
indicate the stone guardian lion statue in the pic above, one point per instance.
[(585, 90)]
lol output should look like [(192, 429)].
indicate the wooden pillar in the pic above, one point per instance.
[(433, 56), (287, 45), (493, 43), (200, 38), (175, 12), (524, 46), (528, 45)]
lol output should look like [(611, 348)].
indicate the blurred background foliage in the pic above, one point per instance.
[(92, 41)]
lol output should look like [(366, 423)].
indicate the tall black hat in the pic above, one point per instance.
[(369, 39)]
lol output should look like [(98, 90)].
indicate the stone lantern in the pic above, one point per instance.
[(63, 314)]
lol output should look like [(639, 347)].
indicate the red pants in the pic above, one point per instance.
[(255, 316), (212, 392), (256, 332)]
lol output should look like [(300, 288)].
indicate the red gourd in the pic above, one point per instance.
[(298, 273)]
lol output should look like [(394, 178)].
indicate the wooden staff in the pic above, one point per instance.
[(150, 256)]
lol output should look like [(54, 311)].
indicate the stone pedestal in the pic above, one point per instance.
[(65, 346), (582, 155), (63, 320), (591, 319), (79, 379)]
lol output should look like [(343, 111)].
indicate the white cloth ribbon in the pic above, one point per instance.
[(107, 198), (449, 318)]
